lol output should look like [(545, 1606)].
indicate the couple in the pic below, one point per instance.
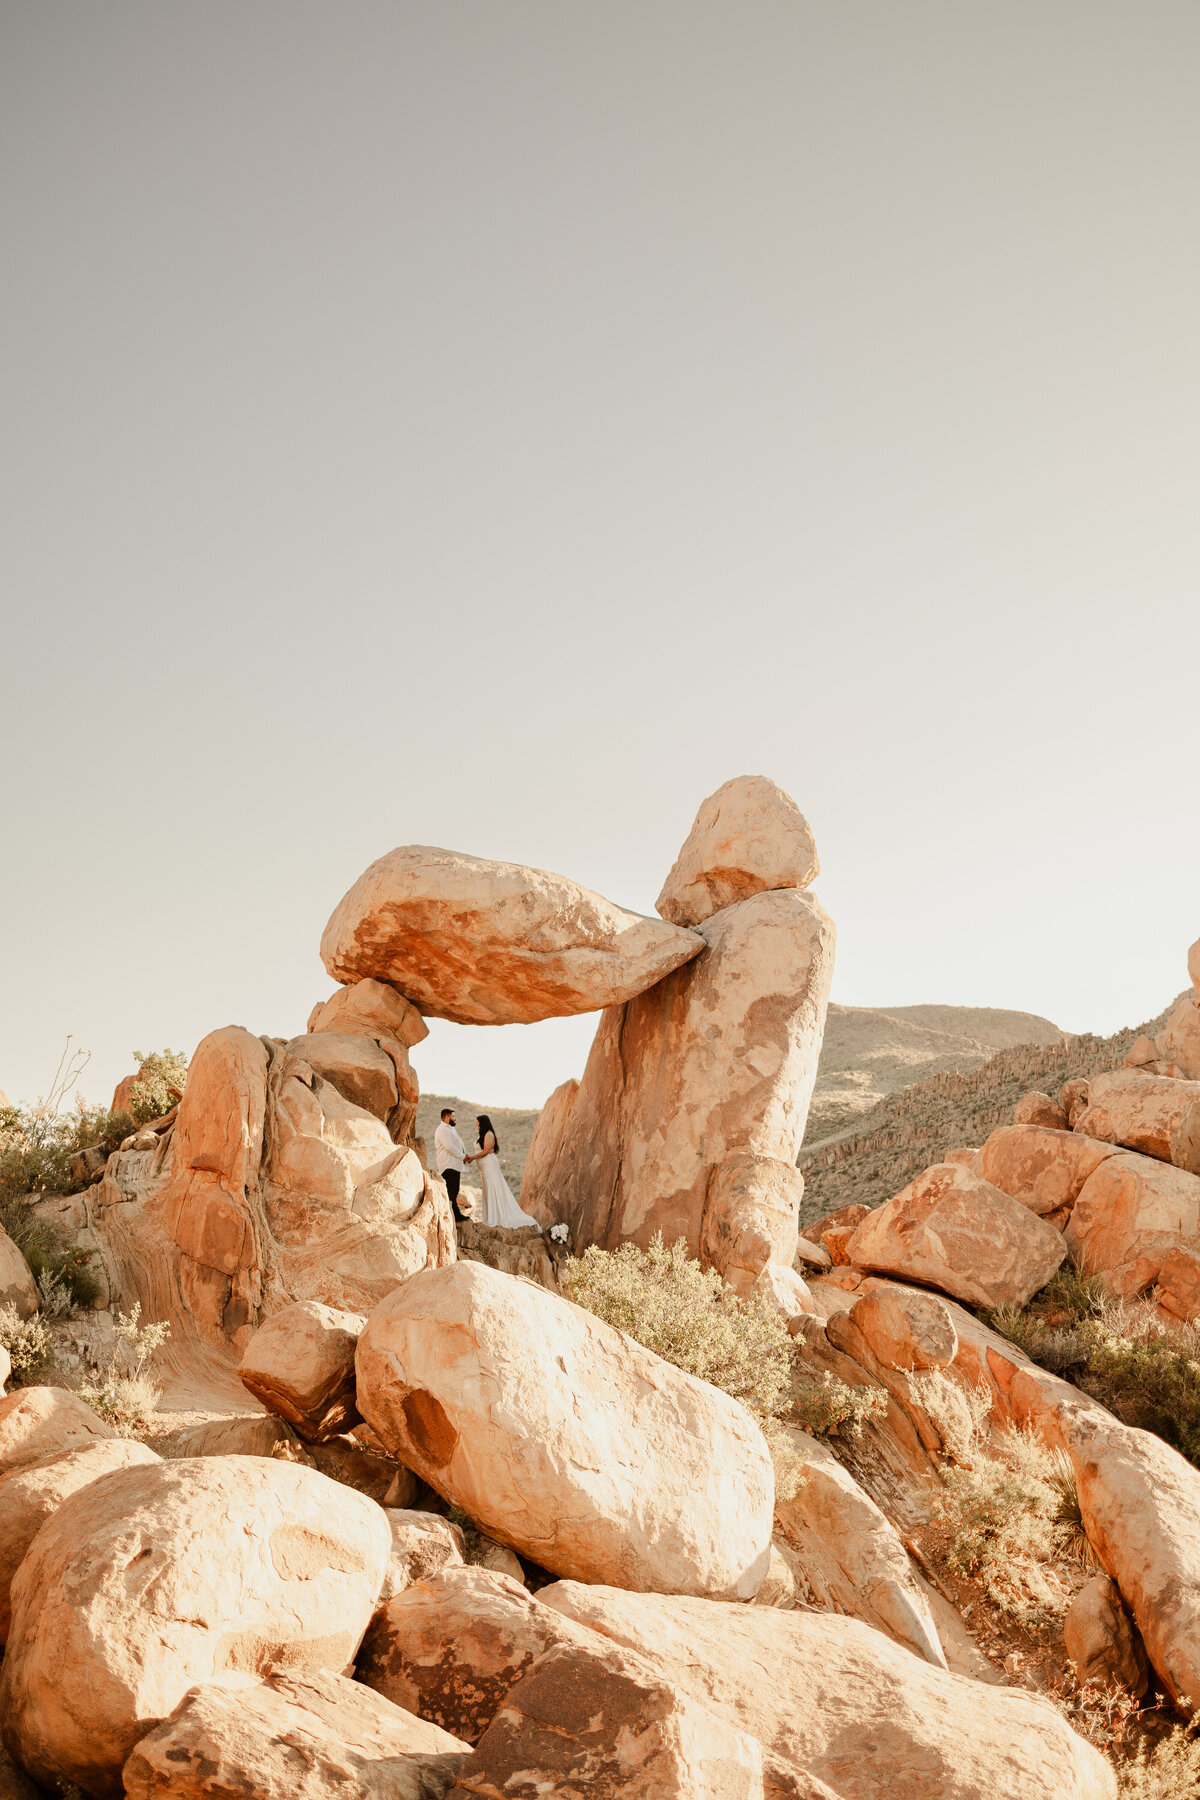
[(499, 1207)]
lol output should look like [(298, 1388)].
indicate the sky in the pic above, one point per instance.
[(496, 425)]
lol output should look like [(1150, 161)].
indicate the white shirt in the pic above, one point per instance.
[(450, 1149)]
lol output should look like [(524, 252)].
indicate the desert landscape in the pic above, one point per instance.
[(306, 1484)]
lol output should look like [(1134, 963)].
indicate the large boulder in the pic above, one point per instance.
[(39, 1422), (1131, 1212), (1151, 1113), (847, 1557), (749, 1219), (450, 1647), (1179, 1040), (357, 1066), (836, 1701), (300, 1364), (599, 1721), (370, 1009), (164, 1575), (494, 943), (1101, 1643), (748, 838), (300, 1734), (953, 1230), (718, 1060), (565, 1439), (18, 1288), (32, 1494), (1044, 1168)]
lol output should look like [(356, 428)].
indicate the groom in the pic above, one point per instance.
[(451, 1155)]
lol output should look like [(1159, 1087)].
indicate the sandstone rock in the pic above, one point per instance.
[(300, 1364), (1141, 1052), (957, 1232), (18, 1288), (1100, 1641), (303, 1734), (1040, 1109), (40, 1422), (1073, 1098), (565, 1439), (492, 943), (905, 1329), (598, 1721), (837, 1240), (253, 1434), (370, 1009), (1178, 1283), (748, 838), (356, 1066), (14, 1784), (380, 1477), (778, 1288), (966, 1156), (1044, 1169), (837, 1220), (164, 1575), (848, 1558), (1193, 963), (1150, 1113), (779, 1586), (30, 1495), (450, 1647), (749, 1217), (523, 1250), (717, 1060), (1179, 1040), (545, 1144), (498, 1559), (815, 1254), (1131, 1211), (836, 1700), (423, 1544)]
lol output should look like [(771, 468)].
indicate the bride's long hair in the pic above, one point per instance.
[(485, 1125)]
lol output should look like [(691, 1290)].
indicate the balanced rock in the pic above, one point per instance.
[(599, 1721), (300, 1364), (370, 1009), (494, 943), (1131, 1212), (1039, 1109), (565, 1439), (450, 1647), (1100, 1641), (18, 1288), (31, 1495), (39, 1422), (834, 1700), (1043, 1168), (718, 1060), (165, 1575), (748, 838), (1150, 1113), (952, 1230), (300, 1734)]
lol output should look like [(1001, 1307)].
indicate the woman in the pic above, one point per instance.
[(499, 1207)]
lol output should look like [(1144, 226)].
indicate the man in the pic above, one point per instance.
[(450, 1155)]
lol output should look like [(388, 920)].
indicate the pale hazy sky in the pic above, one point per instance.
[(496, 425)]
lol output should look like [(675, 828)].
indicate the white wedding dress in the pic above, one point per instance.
[(499, 1207)]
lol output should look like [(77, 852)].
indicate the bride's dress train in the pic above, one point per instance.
[(499, 1207)]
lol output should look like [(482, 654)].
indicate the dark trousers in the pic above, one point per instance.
[(453, 1179)]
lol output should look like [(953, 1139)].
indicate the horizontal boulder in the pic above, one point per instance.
[(1151, 1113), (299, 1734), (747, 838), (300, 1365), (1042, 1167), (952, 1230), (565, 1439), (834, 1700), (494, 943), (161, 1576)]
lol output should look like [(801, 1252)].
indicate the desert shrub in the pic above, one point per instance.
[(56, 1298), (1119, 1352), (127, 1399), (826, 1406), (29, 1345), (1166, 1770), (686, 1315), (160, 1083)]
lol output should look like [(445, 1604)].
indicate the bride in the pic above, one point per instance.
[(499, 1207)]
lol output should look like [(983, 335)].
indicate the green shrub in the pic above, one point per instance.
[(686, 1315), (160, 1082), (29, 1345), (127, 1400), (826, 1406)]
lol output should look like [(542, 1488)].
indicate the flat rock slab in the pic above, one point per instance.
[(495, 943)]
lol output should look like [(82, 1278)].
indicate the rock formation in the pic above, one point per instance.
[(748, 838)]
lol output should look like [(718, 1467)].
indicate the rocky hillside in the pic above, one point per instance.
[(514, 1128), (911, 1129)]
